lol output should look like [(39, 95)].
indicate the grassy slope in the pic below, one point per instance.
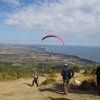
[(21, 90)]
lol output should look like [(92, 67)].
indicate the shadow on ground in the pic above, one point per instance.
[(58, 88), (59, 98), (28, 84), (76, 89)]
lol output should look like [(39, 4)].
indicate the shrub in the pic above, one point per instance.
[(19, 75), (48, 81), (53, 75), (86, 72), (5, 76), (1, 78), (13, 74), (76, 68), (93, 71)]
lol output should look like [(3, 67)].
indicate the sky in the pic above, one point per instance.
[(77, 22)]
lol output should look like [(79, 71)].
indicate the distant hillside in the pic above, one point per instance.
[(29, 54)]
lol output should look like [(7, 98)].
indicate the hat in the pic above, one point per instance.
[(66, 64)]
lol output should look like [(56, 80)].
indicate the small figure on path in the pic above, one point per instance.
[(67, 73), (35, 78)]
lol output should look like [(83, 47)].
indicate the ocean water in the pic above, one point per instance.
[(90, 53)]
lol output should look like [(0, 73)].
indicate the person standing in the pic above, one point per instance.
[(67, 73), (98, 79), (35, 78)]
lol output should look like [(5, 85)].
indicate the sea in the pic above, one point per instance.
[(86, 52)]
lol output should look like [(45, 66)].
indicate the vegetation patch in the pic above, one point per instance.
[(49, 80)]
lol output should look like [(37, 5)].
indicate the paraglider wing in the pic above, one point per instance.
[(53, 36)]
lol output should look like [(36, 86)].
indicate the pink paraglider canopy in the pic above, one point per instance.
[(53, 36)]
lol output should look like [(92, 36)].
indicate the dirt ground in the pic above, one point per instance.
[(21, 90)]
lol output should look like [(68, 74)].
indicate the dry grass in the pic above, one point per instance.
[(21, 90)]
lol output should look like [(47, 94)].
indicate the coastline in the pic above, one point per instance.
[(75, 58), (88, 53), (40, 54)]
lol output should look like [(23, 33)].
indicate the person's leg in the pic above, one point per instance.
[(65, 85), (98, 90), (36, 82), (68, 85)]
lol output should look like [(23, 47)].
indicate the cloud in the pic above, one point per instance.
[(76, 17), (15, 2)]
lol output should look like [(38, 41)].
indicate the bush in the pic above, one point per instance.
[(21, 75), (1, 77), (13, 74), (5, 76), (76, 68), (52, 75), (93, 71), (86, 72), (48, 81)]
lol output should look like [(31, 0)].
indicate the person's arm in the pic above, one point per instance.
[(72, 72), (62, 73), (37, 75)]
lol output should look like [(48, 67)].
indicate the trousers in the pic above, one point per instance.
[(35, 81), (66, 86)]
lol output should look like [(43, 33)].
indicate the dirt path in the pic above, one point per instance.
[(21, 90)]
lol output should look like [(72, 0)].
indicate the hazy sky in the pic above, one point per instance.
[(77, 22)]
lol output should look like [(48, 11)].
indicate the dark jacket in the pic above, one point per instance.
[(98, 75), (67, 73)]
